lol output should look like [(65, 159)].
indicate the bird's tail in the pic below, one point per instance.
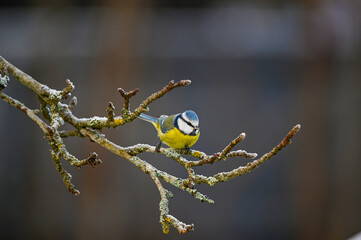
[(148, 118)]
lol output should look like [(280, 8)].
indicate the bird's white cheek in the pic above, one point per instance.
[(184, 127)]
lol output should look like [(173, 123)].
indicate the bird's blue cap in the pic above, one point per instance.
[(191, 115)]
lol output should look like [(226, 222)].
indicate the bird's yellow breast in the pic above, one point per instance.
[(176, 139)]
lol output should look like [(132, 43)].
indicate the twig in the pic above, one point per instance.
[(225, 176), (72, 103), (65, 93), (44, 109), (15, 103), (224, 154), (92, 160), (47, 94), (110, 111), (165, 218), (126, 96), (74, 133), (66, 176), (143, 107)]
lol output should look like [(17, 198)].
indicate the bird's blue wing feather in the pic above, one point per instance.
[(148, 118)]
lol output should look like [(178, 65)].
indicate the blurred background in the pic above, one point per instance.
[(258, 67)]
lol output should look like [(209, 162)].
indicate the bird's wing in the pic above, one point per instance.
[(166, 123), (148, 118)]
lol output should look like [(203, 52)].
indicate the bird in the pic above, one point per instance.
[(178, 131)]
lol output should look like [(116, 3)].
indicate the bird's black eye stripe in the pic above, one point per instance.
[(188, 123)]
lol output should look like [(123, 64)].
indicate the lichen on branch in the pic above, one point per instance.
[(53, 114)]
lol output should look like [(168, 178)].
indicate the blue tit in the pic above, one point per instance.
[(178, 131)]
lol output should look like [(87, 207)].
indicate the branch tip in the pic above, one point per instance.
[(126, 96), (73, 103), (111, 105), (186, 82), (65, 93), (253, 155), (180, 226), (110, 110), (121, 91), (92, 161), (132, 93), (291, 133), (129, 94)]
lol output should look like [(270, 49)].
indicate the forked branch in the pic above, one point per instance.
[(53, 114)]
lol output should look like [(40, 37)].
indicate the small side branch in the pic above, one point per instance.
[(126, 96), (92, 160), (65, 93), (72, 103), (165, 218), (31, 114), (225, 176), (74, 133), (47, 94), (225, 153), (66, 176), (143, 107), (230, 146), (110, 111)]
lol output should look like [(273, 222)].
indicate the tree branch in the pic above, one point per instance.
[(57, 114), (31, 113)]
